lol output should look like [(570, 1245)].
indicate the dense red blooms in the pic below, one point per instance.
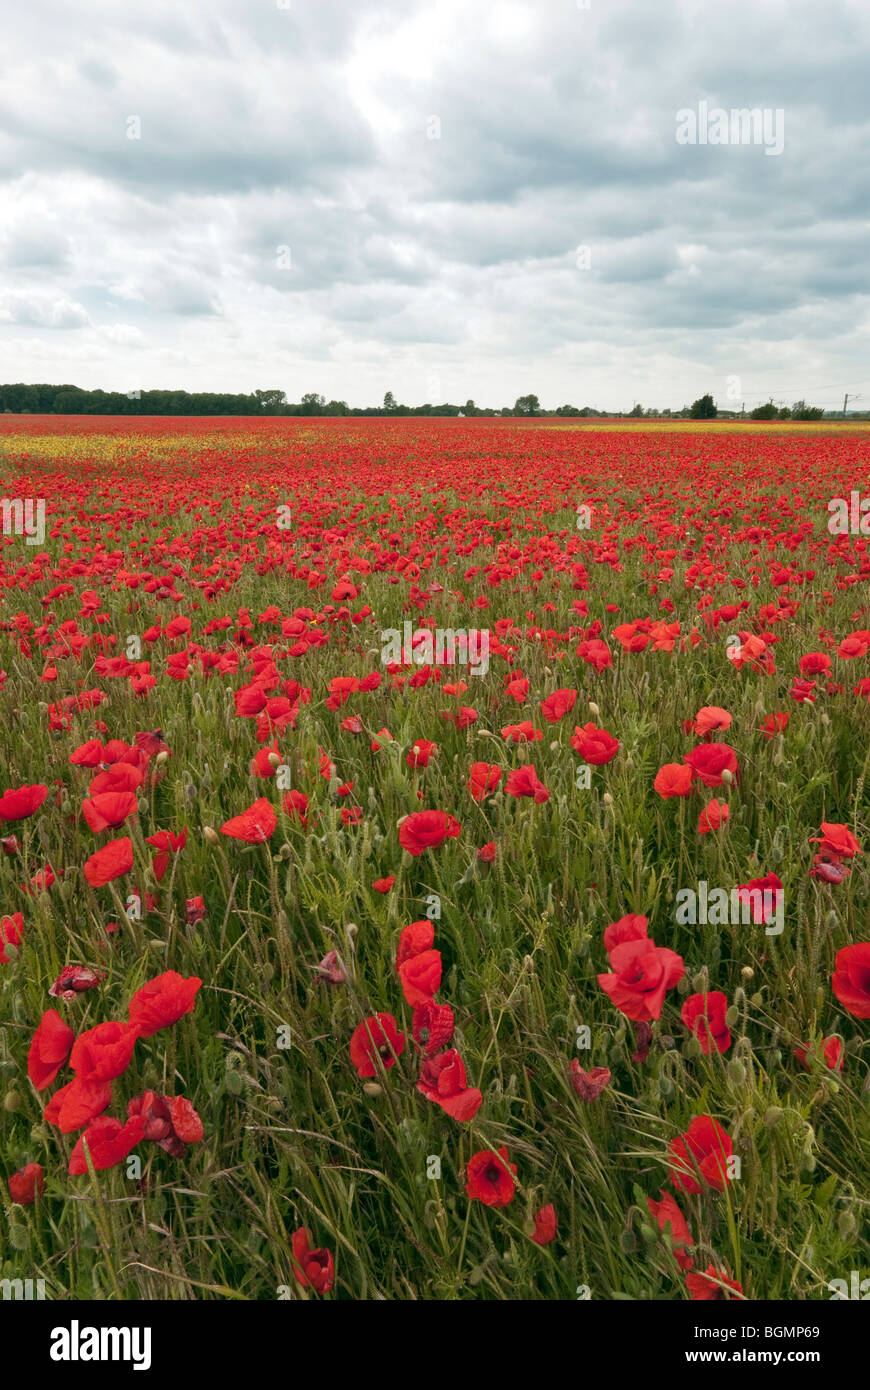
[(26, 1183)]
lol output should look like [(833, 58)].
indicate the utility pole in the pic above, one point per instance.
[(853, 396)]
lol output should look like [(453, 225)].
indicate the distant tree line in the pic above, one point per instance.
[(21, 398)]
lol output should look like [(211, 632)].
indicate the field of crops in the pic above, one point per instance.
[(432, 860)]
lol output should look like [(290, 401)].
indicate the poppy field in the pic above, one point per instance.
[(433, 860)]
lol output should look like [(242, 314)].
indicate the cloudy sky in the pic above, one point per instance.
[(452, 199)]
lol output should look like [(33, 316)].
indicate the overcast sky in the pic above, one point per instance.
[(351, 197)]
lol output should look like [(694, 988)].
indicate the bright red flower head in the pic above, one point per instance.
[(423, 830), (108, 1143), (641, 974), (163, 1001), (313, 1269), (376, 1035), (490, 1178), (26, 1183), (51, 1045), (700, 1156), (851, 978)]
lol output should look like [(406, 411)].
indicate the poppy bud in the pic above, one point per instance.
[(210, 835), (736, 1072), (372, 1089), (732, 1015), (594, 709), (607, 799), (12, 1101), (274, 760), (162, 757), (747, 973), (772, 1116)]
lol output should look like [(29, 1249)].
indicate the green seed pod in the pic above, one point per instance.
[(12, 1101), (732, 1015), (772, 1116), (736, 1072)]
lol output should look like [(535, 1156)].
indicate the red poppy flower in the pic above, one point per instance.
[(443, 1080), (432, 1026), (22, 802), (110, 862), (713, 816), (76, 1104), (831, 1053), (254, 825), (103, 1052), (712, 1284), (588, 1084), (851, 978), (73, 980), (108, 1143), (633, 927), (674, 779), (490, 1178), (423, 830), (701, 1153), (49, 1049), (108, 809), (163, 1001), (483, 778), (670, 1220), (486, 854), (557, 705), (10, 934), (421, 753), (704, 1015), (524, 781), (837, 840), (593, 744), (383, 885), (379, 1035), (709, 718), (774, 724), (312, 1268), (26, 1183), (545, 1225), (166, 843), (641, 974), (709, 760), (420, 976)]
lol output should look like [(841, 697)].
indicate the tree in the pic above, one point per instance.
[(270, 401), (389, 401), (801, 411), (703, 409), (527, 405), (312, 404), (636, 410), (768, 411)]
